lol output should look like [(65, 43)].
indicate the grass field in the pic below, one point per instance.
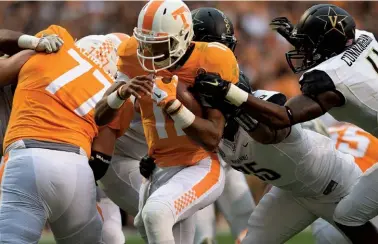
[(302, 238)]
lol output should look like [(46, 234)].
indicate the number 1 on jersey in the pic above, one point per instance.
[(373, 59), (160, 123)]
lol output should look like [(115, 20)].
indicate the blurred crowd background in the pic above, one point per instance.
[(260, 51)]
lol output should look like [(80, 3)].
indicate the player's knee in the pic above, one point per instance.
[(346, 215), (156, 214)]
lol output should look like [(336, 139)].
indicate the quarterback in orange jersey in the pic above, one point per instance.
[(45, 175), (188, 175)]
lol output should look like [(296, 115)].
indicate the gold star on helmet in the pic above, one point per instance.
[(333, 21), (195, 20)]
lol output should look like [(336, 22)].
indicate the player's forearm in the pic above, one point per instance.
[(273, 115), (107, 108), (12, 42), (11, 66), (206, 133)]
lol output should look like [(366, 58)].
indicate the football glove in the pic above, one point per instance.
[(146, 166), (163, 93), (285, 28), (211, 85), (49, 44)]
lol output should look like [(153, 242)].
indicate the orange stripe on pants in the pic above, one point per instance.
[(210, 180), (99, 210), (2, 167)]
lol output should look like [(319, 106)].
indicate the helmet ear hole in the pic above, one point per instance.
[(165, 11), (186, 36)]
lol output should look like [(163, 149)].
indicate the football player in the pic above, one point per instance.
[(236, 202), (188, 176), (309, 176), (349, 139), (48, 142), (340, 74)]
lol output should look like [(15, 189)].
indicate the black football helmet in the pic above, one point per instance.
[(212, 25), (322, 32)]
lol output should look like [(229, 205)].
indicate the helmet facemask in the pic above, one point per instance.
[(162, 50)]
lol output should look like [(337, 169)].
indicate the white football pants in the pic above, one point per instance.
[(40, 185), (168, 201)]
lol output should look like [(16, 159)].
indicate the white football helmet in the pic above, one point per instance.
[(164, 33), (117, 38), (101, 50)]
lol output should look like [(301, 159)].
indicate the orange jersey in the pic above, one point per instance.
[(168, 144), (56, 95), (356, 142), (122, 121)]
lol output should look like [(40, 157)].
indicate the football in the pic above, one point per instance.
[(188, 99)]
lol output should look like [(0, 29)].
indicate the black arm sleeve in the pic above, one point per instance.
[(99, 163), (316, 82)]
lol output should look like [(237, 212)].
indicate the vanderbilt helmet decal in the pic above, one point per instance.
[(333, 21)]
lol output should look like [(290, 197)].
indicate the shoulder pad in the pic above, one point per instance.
[(315, 82), (270, 96)]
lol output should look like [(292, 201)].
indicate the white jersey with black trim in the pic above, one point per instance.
[(354, 74), (305, 163)]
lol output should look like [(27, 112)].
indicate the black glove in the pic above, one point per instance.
[(211, 85), (146, 166), (285, 28)]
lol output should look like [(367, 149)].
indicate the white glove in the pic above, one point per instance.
[(48, 44)]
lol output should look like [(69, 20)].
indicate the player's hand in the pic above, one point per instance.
[(211, 85), (49, 44), (146, 166), (137, 86), (163, 92), (284, 27)]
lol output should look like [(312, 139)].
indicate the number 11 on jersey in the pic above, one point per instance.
[(161, 123)]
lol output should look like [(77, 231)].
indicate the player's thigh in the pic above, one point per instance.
[(325, 233), (22, 210), (277, 218), (236, 202), (74, 216), (191, 188), (122, 183), (361, 204), (205, 223)]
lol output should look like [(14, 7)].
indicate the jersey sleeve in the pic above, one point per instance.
[(122, 121), (270, 96), (58, 30), (128, 62), (221, 60)]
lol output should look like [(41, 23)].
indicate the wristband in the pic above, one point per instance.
[(182, 116), (114, 101), (236, 95), (28, 42)]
